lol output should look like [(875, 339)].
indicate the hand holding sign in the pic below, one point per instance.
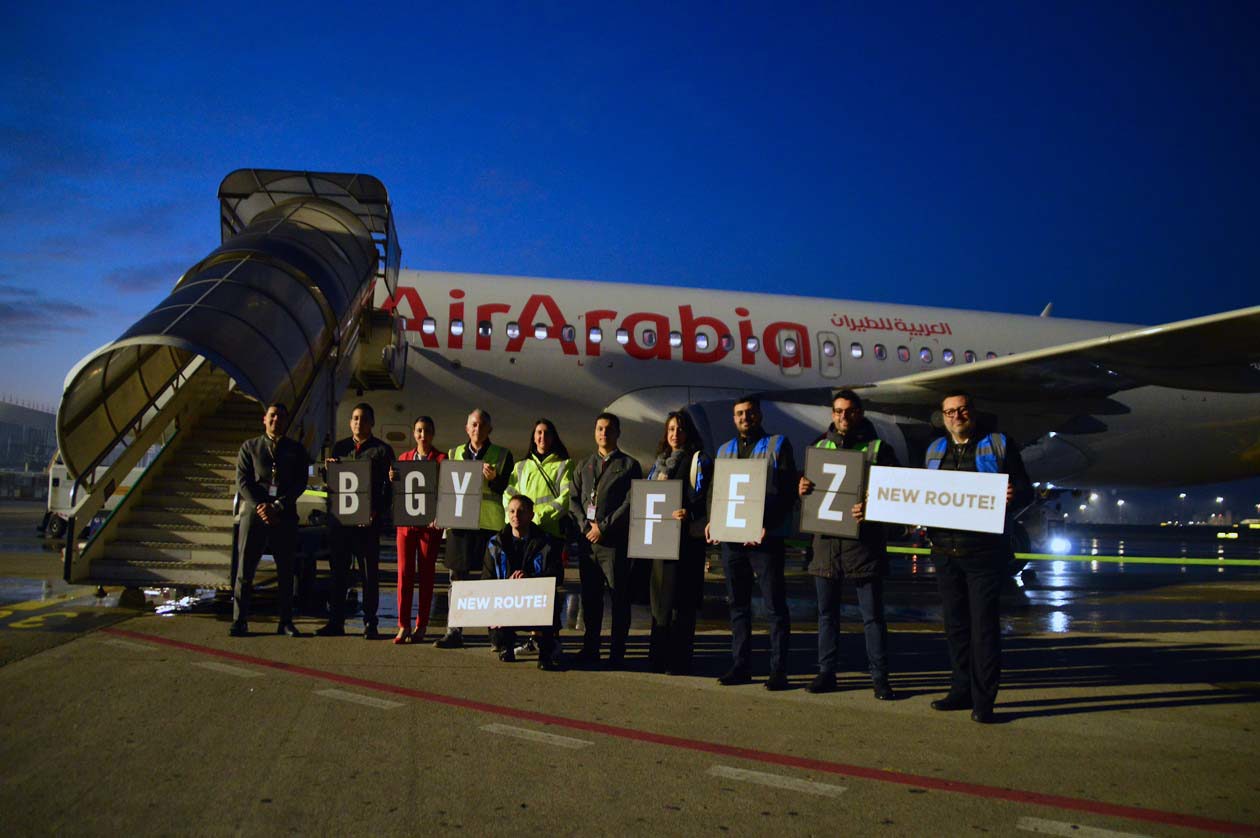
[(836, 479)]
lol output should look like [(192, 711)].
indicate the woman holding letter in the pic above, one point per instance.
[(677, 585), (417, 546)]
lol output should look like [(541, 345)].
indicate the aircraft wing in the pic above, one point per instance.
[(1067, 387)]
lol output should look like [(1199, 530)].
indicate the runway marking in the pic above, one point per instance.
[(537, 736), (1029, 798), (356, 698), (777, 781), (1062, 828), (125, 644), (228, 669)]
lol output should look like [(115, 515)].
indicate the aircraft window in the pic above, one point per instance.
[(649, 337), (513, 330), (702, 341), (829, 349), (675, 339), (457, 327), (969, 357), (990, 355), (925, 355), (567, 333), (855, 349), (752, 344), (595, 335), (789, 348), (728, 343), (428, 325), (880, 352), (484, 329), (948, 356), (623, 336), (540, 331), (903, 353)]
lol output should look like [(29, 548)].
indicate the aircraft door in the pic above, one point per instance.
[(829, 354)]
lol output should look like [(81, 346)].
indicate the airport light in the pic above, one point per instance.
[(1093, 496), (1060, 546), (1181, 496), (1120, 502), (1082, 507), (1220, 499)]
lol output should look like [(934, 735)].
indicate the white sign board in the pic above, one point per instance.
[(738, 499), (958, 500), (503, 602)]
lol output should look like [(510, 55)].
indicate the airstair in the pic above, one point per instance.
[(281, 312)]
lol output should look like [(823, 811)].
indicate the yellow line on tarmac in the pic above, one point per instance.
[(1052, 557)]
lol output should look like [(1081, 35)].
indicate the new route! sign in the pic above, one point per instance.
[(959, 500)]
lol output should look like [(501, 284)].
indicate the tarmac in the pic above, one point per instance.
[(1134, 712)]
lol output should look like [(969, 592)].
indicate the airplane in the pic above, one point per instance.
[(305, 302), (1092, 403)]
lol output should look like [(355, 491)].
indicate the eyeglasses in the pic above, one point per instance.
[(952, 412)]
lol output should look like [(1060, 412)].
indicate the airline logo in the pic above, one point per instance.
[(720, 339)]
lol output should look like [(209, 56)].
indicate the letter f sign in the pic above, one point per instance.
[(652, 516)]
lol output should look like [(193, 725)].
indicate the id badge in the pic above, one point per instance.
[(590, 512), (272, 491)]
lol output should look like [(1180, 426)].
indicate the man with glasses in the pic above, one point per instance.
[(863, 560), (971, 566)]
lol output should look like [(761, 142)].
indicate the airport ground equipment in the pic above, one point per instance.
[(281, 311)]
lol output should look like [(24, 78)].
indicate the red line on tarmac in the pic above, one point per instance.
[(1032, 798)]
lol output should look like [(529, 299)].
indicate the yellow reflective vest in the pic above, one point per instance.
[(491, 517), (548, 483)]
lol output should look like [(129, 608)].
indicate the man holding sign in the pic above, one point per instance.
[(762, 555), (465, 547), (361, 544), (971, 566), (863, 560), (523, 551)]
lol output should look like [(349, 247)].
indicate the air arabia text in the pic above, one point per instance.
[(542, 310)]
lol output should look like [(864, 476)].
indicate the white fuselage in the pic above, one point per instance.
[(642, 350)]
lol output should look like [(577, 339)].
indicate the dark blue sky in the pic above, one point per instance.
[(993, 155)]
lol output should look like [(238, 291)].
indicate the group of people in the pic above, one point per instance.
[(543, 511)]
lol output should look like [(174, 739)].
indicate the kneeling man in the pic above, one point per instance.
[(522, 551)]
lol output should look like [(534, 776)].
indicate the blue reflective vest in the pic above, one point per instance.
[(990, 453)]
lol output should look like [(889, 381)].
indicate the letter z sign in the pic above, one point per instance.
[(654, 534), (350, 500), (838, 476)]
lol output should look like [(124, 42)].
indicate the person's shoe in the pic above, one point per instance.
[(418, 633), (331, 630), (982, 716), (403, 636), (884, 691), (548, 665), (238, 630), (735, 675), (508, 656), (778, 682), (289, 629), (450, 640), (952, 702), (370, 632), (824, 682), (587, 657)]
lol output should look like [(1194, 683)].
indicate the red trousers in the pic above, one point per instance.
[(417, 560)]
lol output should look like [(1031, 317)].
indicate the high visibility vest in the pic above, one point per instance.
[(870, 448), (990, 453), (491, 516), (548, 484), (768, 447)]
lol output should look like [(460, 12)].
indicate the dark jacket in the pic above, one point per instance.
[(608, 487), (864, 557), (380, 455), (254, 466), (538, 554)]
